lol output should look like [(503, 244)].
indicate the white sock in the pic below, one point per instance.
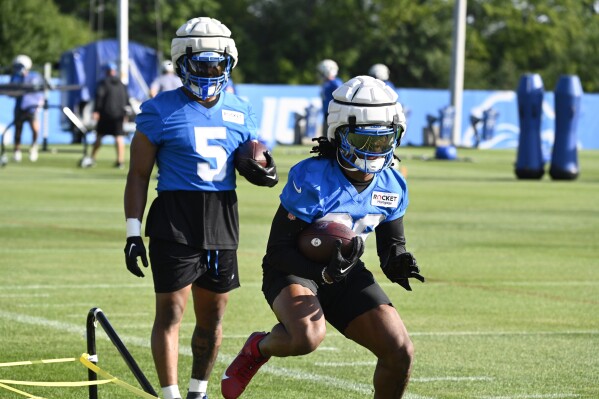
[(171, 392), (198, 385)]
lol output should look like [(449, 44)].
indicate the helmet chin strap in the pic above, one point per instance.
[(363, 165)]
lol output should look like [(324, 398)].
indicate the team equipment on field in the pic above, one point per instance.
[(241, 371), (399, 267), (86, 161), (204, 54), (379, 71), (95, 316), (366, 123), (328, 69)]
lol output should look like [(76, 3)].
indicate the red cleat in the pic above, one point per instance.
[(241, 371)]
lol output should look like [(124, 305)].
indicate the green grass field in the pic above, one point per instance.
[(510, 308)]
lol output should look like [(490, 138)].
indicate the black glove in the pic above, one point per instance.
[(339, 266), (399, 268), (258, 174), (134, 248)]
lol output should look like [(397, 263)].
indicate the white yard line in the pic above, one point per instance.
[(222, 358), (366, 389)]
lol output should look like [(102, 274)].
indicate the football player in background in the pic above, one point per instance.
[(328, 70), (166, 81), (349, 181), (191, 133), (26, 106), (110, 111), (381, 72)]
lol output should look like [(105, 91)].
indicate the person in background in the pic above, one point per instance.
[(349, 181), (26, 106), (166, 81), (328, 70), (191, 134), (110, 110), (381, 72)]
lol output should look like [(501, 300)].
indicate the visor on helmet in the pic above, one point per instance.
[(361, 145), (207, 64), (371, 139), (205, 73)]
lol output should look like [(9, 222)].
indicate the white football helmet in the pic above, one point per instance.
[(328, 69), (21, 63), (204, 54), (167, 66), (365, 123), (379, 71)]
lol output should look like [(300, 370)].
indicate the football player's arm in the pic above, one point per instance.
[(397, 264), (389, 234), (142, 157), (282, 252)]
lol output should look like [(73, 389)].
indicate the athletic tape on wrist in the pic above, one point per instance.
[(133, 227)]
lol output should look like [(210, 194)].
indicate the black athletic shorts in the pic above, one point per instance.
[(176, 265), (110, 126), (341, 302), (22, 116)]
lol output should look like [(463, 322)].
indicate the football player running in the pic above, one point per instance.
[(349, 181), (191, 134)]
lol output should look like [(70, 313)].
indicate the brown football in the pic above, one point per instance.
[(251, 149), (317, 241)]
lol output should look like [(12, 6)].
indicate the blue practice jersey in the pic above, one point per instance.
[(328, 88), (390, 84), (318, 190), (30, 101), (196, 145)]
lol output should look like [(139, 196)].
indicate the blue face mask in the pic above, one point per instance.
[(205, 74), (368, 148), (18, 70)]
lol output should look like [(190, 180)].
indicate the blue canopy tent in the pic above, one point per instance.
[(83, 66)]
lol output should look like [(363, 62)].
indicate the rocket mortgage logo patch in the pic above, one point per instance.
[(388, 200)]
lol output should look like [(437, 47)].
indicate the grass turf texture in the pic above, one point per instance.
[(509, 309)]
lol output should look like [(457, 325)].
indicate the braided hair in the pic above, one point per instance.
[(324, 148)]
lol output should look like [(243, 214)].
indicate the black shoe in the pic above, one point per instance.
[(119, 165), (196, 395)]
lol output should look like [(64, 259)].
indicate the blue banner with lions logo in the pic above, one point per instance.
[(292, 115)]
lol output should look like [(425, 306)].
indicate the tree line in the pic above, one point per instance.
[(283, 41)]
